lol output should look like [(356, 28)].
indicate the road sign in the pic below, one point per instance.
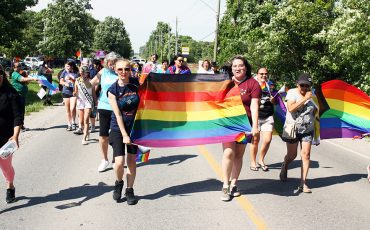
[(185, 50)]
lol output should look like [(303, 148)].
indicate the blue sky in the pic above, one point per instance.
[(196, 18)]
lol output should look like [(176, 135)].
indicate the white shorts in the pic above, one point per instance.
[(83, 104), (266, 125)]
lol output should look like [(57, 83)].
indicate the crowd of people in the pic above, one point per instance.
[(110, 92)]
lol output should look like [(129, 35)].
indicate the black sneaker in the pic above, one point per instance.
[(10, 195), (235, 192), (130, 196), (117, 192)]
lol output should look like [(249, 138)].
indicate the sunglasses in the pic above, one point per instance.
[(128, 69), (181, 60), (262, 73), (304, 86)]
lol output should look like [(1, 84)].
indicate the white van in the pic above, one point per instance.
[(33, 62)]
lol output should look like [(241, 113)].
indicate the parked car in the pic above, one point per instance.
[(33, 62)]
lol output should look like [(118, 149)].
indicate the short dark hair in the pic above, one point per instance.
[(177, 56), (165, 60), (156, 55), (246, 63)]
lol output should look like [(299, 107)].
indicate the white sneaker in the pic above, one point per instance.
[(103, 166)]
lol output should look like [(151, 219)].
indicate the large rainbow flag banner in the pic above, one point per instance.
[(185, 110), (344, 110)]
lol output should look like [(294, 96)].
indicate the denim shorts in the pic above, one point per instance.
[(301, 137)]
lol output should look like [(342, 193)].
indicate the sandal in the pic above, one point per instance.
[(253, 168), (304, 188), (264, 167)]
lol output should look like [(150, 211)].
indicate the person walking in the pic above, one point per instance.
[(206, 67), (67, 79), (232, 160), (19, 83), (299, 128), (265, 123), (105, 77), (11, 120), (47, 72), (85, 101), (124, 99)]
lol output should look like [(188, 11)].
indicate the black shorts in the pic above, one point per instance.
[(115, 140), (104, 122), (66, 95)]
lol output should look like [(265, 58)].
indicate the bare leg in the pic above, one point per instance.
[(86, 123), (73, 108), (118, 167), (238, 163), (227, 162), (305, 154), (254, 149), (80, 118), (103, 144), (131, 170), (68, 111), (267, 137)]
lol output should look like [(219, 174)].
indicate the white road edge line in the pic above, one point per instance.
[(347, 149)]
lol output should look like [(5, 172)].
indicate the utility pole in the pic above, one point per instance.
[(176, 38), (169, 46), (216, 32)]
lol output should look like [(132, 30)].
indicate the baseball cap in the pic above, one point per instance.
[(304, 78)]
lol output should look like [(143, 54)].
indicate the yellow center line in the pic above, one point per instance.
[(242, 200)]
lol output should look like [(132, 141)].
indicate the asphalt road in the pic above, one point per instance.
[(58, 187)]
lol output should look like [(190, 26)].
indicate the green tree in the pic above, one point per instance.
[(11, 24), (111, 35), (160, 41), (32, 34), (348, 42), (67, 28)]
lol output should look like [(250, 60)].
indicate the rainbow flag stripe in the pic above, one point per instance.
[(344, 110), (185, 110)]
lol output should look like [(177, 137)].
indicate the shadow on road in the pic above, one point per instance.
[(253, 186), (52, 127), (185, 189), (296, 164), (276, 187), (86, 191), (169, 160)]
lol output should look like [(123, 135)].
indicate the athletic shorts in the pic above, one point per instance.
[(115, 140), (266, 124), (301, 137), (66, 95), (104, 122)]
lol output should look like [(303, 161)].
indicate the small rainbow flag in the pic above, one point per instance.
[(265, 87), (142, 154), (177, 110)]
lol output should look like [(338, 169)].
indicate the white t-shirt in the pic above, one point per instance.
[(201, 70), (304, 116)]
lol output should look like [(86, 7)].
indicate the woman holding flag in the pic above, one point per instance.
[(124, 99), (265, 122), (232, 160)]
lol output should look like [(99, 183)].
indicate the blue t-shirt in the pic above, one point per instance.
[(69, 78), (107, 78), (128, 101)]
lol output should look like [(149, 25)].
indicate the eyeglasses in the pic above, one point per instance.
[(304, 86), (181, 60), (128, 69)]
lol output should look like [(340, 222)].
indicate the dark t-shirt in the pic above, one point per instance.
[(128, 101), (249, 89), (10, 112), (266, 108)]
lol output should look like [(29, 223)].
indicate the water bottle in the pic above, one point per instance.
[(8, 149)]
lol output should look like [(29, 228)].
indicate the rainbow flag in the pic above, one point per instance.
[(344, 110), (184, 110), (142, 154), (265, 87)]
